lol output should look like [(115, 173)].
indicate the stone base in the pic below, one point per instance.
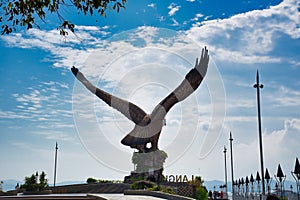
[(148, 166), (153, 176)]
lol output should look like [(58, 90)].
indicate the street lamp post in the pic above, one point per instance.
[(55, 164), (232, 179), (258, 86), (225, 150)]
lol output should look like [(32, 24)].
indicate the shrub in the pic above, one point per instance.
[(140, 185), (162, 189), (169, 190), (35, 182), (91, 180), (201, 193), (155, 188)]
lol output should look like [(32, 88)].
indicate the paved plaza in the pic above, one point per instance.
[(127, 197)]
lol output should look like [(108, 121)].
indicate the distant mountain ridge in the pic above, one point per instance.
[(10, 184)]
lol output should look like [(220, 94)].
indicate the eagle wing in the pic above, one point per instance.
[(190, 83), (130, 110)]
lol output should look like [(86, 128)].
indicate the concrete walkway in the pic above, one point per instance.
[(127, 197), (80, 197)]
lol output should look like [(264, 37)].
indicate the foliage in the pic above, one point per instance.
[(35, 182), (168, 190), (109, 181), (91, 180), (43, 181), (162, 189), (137, 178), (25, 13), (148, 185), (140, 185), (198, 181), (30, 183), (1, 182), (201, 193), (155, 188)]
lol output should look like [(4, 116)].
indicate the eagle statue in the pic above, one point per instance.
[(148, 127)]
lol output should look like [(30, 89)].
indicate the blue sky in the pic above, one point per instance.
[(141, 54)]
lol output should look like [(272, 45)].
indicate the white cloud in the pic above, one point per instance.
[(173, 9), (279, 146), (88, 28), (175, 23), (196, 18), (283, 143), (250, 36), (284, 97), (12, 115), (55, 135), (152, 5), (42, 107)]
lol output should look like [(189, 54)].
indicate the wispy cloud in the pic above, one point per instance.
[(12, 115), (175, 23), (44, 106), (173, 9), (284, 97), (55, 135), (152, 5)]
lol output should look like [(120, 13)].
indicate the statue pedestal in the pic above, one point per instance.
[(148, 166)]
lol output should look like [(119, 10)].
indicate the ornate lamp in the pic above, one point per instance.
[(252, 183), (243, 182), (239, 186), (280, 178), (258, 182), (296, 175), (236, 184), (269, 180), (247, 186)]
